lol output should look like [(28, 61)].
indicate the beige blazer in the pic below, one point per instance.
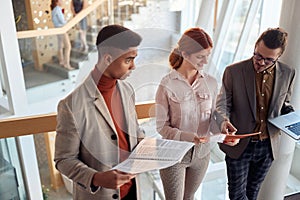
[(237, 102), (87, 140)]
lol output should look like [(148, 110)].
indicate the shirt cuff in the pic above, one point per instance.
[(177, 135), (94, 189)]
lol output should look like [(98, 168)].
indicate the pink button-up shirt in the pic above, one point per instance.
[(181, 107)]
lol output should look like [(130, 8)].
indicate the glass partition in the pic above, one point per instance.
[(4, 102), (123, 9), (46, 81), (10, 171), (234, 33), (49, 67), (43, 143), (43, 68), (42, 58)]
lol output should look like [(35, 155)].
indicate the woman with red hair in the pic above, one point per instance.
[(185, 101)]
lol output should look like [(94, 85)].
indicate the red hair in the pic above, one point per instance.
[(193, 40)]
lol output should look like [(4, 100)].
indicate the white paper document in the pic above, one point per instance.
[(154, 153), (217, 138)]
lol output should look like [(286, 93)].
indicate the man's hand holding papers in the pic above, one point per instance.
[(153, 153)]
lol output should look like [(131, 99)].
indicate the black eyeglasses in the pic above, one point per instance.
[(267, 61)]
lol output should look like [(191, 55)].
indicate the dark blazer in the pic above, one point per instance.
[(87, 140), (236, 102)]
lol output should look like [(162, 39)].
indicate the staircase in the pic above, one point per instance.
[(155, 15), (77, 57), (158, 40), (56, 81)]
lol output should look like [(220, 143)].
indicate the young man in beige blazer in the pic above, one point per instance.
[(254, 90), (96, 124)]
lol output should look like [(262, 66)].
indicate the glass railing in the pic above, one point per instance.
[(41, 55), (51, 183), (52, 58), (12, 183), (145, 87)]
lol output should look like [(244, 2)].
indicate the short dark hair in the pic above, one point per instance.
[(117, 36), (274, 38)]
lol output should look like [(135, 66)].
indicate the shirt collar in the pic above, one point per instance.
[(175, 75), (201, 73), (269, 70)]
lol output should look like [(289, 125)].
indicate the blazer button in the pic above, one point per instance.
[(115, 196), (113, 137)]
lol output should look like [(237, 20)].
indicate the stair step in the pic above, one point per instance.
[(55, 68), (91, 37), (34, 78), (95, 28), (27, 63), (77, 53), (76, 44), (103, 22), (74, 62)]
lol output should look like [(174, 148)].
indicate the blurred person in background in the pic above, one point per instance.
[(64, 45), (76, 7)]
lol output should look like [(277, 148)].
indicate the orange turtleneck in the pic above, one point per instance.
[(112, 97)]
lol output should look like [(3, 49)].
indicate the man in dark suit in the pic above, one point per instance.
[(254, 90)]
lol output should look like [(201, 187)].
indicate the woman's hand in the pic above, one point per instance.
[(198, 140)]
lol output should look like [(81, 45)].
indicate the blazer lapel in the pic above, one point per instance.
[(279, 79), (249, 77), (125, 104), (102, 108), (99, 102), (129, 112)]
